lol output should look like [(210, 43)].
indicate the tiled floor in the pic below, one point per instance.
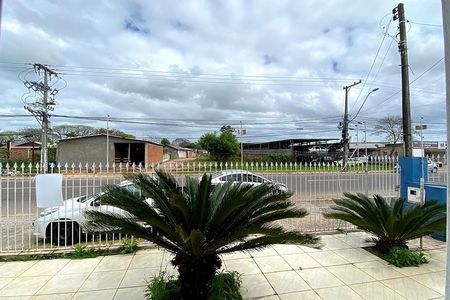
[(341, 270)]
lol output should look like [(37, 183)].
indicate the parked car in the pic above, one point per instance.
[(432, 166), (245, 177), (318, 149), (63, 224)]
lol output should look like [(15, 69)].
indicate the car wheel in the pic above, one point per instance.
[(67, 233)]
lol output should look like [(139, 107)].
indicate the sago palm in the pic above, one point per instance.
[(200, 223), (392, 222)]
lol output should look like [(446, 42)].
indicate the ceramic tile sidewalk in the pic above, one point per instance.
[(341, 270)]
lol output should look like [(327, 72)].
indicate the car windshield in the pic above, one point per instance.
[(84, 198)]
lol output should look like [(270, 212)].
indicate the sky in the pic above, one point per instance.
[(179, 69)]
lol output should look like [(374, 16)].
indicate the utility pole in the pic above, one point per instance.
[(399, 14), (446, 25), (41, 107), (107, 142), (345, 125)]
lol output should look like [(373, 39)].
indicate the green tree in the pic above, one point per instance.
[(220, 147), (116, 132), (165, 142), (69, 131), (390, 221), (199, 223)]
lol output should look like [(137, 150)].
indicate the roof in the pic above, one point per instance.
[(178, 148), (111, 136), (293, 141)]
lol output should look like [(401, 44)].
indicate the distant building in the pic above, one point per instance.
[(94, 149), (21, 150), (179, 152), (299, 150)]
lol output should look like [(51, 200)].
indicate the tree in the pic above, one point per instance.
[(391, 222), (8, 136), (220, 147), (227, 128), (116, 132), (199, 223), (181, 142), (69, 131), (165, 142), (32, 134), (391, 127)]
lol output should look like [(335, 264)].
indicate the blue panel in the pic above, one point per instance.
[(410, 173), (436, 192)]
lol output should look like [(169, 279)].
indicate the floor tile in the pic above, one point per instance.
[(434, 265), (339, 292), (236, 255), (272, 264), (4, 281), (268, 251), (255, 286), (435, 281), (301, 261), (410, 289), (244, 266), (350, 274), (21, 286), (46, 267), (66, 296), (63, 283), (287, 282), (411, 271), (310, 249), (328, 258), (306, 295), (319, 278), (138, 277), (96, 295), (15, 297), (356, 255), (114, 262), (103, 280), (335, 244), (134, 293), (375, 291), (378, 270), (15, 268), (147, 261), (287, 249), (75, 266)]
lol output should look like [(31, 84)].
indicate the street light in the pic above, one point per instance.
[(364, 102)]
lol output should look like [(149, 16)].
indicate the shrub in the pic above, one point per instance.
[(224, 286), (392, 222), (129, 246), (401, 257)]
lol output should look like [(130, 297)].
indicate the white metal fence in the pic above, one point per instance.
[(313, 185)]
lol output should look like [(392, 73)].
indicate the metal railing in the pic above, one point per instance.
[(313, 186)]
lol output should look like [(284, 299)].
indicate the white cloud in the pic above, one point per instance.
[(306, 39)]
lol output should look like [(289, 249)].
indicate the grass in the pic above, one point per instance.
[(285, 168), (225, 286), (79, 252)]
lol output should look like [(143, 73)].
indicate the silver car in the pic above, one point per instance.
[(245, 177)]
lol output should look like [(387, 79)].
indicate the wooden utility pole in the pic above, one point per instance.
[(399, 14), (345, 125)]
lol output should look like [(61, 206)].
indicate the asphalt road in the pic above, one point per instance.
[(17, 194)]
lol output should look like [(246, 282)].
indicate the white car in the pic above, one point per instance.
[(245, 177), (63, 224), (318, 149)]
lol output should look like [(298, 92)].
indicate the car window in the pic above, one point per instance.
[(133, 189), (245, 177)]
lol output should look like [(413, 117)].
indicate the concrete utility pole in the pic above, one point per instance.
[(446, 23), (399, 14), (345, 125), (41, 107)]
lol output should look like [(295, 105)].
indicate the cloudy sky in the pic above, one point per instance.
[(182, 68)]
